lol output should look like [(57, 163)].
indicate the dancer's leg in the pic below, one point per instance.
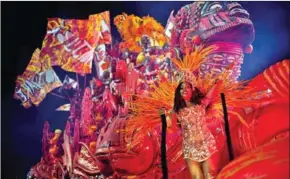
[(194, 169), (210, 166)]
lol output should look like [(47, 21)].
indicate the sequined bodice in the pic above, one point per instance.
[(198, 142), (192, 117)]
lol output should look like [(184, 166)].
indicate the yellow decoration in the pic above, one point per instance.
[(132, 28), (140, 58), (99, 117), (57, 131), (192, 61)]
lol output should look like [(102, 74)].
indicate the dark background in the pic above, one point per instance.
[(23, 27)]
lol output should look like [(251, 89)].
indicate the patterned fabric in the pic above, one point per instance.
[(70, 43), (35, 82), (198, 142)]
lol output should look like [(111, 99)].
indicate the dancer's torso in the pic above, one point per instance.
[(198, 142)]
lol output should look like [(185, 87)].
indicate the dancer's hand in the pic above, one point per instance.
[(169, 121), (161, 111)]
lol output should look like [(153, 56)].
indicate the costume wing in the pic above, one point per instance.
[(237, 94), (145, 109)]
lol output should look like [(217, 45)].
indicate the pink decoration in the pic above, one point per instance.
[(86, 112), (249, 49)]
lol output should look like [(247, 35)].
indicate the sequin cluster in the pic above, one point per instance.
[(198, 142)]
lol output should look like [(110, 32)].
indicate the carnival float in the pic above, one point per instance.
[(114, 129)]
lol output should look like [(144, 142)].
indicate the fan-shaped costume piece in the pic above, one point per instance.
[(145, 108)]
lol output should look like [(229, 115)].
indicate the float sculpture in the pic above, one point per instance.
[(95, 141)]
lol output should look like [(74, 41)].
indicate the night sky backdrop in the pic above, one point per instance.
[(23, 27)]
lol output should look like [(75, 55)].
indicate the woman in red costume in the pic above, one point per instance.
[(198, 144)]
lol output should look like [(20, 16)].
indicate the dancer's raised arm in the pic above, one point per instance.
[(207, 99)]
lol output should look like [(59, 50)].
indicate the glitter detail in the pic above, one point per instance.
[(198, 142)]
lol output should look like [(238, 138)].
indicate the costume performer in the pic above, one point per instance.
[(198, 142), (194, 110)]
